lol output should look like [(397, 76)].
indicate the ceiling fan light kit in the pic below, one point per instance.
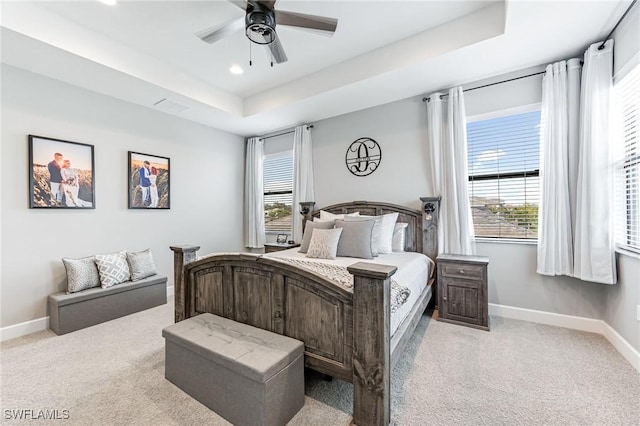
[(260, 26)]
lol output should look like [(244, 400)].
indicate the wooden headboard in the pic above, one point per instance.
[(421, 234)]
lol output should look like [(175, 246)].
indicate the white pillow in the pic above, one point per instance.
[(324, 243), (328, 216), (81, 273), (399, 236), (386, 233), (113, 268)]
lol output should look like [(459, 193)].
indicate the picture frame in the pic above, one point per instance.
[(282, 238), (149, 181), (61, 174)]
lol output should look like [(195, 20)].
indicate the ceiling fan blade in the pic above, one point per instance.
[(214, 34), (312, 22), (242, 4), (277, 51), (269, 4)]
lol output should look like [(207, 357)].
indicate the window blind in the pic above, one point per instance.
[(504, 168), (627, 94), (278, 191)]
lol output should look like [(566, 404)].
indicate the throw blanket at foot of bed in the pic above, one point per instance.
[(340, 274)]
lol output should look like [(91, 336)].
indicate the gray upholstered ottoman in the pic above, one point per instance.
[(247, 375)]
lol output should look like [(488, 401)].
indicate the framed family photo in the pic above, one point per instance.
[(149, 181), (61, 174)]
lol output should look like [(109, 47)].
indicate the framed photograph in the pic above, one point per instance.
[(149, 181), (282, 238), (61, 174)]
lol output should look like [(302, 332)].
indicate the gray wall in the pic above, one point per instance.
[(206, 187), (400, 129)]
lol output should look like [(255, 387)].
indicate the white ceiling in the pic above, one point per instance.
[(382, 51)]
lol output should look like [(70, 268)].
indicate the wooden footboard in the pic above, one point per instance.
[(346, 334)]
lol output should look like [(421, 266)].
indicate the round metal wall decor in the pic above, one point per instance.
[(363, 157)]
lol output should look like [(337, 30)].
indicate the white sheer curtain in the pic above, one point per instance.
[(558, 167), (254, 194), (575, 235), (448, 157), (594, 247), (302, 176)]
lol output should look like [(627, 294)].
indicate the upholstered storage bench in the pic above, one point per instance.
[(71, 312), (245, 374)]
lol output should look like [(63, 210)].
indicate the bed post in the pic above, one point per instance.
[(430, 213), (371, 343), (181, 256)]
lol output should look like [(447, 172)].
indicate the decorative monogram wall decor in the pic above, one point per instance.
[(363, 157)]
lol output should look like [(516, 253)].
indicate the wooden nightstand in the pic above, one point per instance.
[(462, 290), (271, 247)]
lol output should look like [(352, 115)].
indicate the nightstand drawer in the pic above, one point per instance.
[(462, 270)]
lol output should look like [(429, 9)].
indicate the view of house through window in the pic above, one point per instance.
[(504, 168), (627, 98), (278, 191)]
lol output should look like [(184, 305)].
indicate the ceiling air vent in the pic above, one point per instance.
[(170, 106)]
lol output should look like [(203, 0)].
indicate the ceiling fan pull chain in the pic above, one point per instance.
[(250, 57), (271, 59)]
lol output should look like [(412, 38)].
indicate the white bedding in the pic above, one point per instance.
[(413, 272)]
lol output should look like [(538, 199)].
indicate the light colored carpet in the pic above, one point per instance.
[(519, 373)]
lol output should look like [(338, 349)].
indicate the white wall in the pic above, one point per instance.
[(400, 129), (401, 178), (206, 187)]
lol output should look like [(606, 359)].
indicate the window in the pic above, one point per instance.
[(278, 191), (504, 168), (627, 98)]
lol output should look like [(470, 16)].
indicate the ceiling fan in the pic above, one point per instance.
[(260, 22)]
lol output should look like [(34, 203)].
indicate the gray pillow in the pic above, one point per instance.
[(81, 274), (375, 240), (356, 239), (141, 264), (308, 231)]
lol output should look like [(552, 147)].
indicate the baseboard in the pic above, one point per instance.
[(170, 293), (624, 347), (572, 322), (24, 328), (548, 318)]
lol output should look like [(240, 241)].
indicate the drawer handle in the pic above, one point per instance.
[(444, 298), (461, 271)]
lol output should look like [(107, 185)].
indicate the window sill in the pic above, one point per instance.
[(627, 252), (506, 241)]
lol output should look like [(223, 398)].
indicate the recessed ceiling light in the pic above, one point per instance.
[(235, 69), (109, 2)]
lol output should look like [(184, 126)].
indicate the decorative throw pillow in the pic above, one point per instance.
[(113, 268), (308, 231), (375, 240), (141, 264), (81, 274), (399, 236), (357, 238), (324, 243), (386, 232), (324, 215)]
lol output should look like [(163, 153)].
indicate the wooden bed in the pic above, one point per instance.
[(346, 334)]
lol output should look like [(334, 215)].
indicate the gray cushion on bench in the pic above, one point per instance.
[(252, 352), (71, 312)]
